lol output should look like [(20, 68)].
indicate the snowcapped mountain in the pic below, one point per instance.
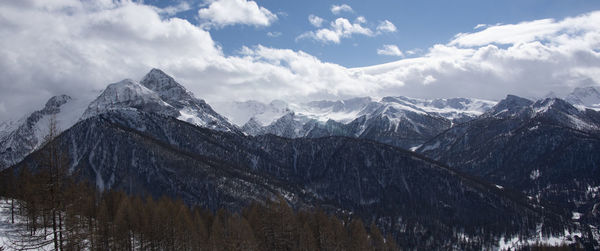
[(146, 136), (19, 138), (400, 121), (342, 111), (345, 111), (455, 109), (509, 107), (191, 109), (585, 96), (547, 149), (241, 113), (158, 93), (128, 94)]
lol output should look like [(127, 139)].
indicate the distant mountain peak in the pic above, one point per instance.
[(510, 105), (19, 138), (585, 90), (57, 101), (586, 96), (516, 100), (550, 94), (554, 104)]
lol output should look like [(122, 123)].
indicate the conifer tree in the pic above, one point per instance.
[(306, 239), (217, 233), (200, 237), (390, 243), (376, 238), (340, 240), (358, 236)]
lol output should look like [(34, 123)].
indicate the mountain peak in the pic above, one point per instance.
[(127, 94), (514, 101), (126, 89), (585, 90), (510, 105), (167, 88), (156, 73), (554, 104), (550, 94), (56, 101), (587, 96), (158, 80)]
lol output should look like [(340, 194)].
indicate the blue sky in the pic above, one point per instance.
[(221, 50), (420, 24)]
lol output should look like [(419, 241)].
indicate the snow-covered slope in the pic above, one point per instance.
[(345, 111), (585, 96), (457, 109), (191, 109), (19, 138), (158, 93), (399, 121), (128, 94), (342, 111), (241, 112)]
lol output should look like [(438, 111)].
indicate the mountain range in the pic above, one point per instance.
[(399, 121), (437, 173), (548, 149)]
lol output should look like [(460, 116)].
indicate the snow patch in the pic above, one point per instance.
[(431, 147), (516, 243), (188, 115)]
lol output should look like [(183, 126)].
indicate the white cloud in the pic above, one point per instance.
[(273, 33), (390, 50), (337, 9), (413, 51), (172, 10), (78, 47), (479, 26), (361, 20), (230, 12), (338, 29), (537, 30), (315, 20), (343, 28), (386, 26), (429, 79)]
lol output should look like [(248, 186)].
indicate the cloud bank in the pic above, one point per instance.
[(77, 48)]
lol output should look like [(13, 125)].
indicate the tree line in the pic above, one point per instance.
[(53, 209)]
